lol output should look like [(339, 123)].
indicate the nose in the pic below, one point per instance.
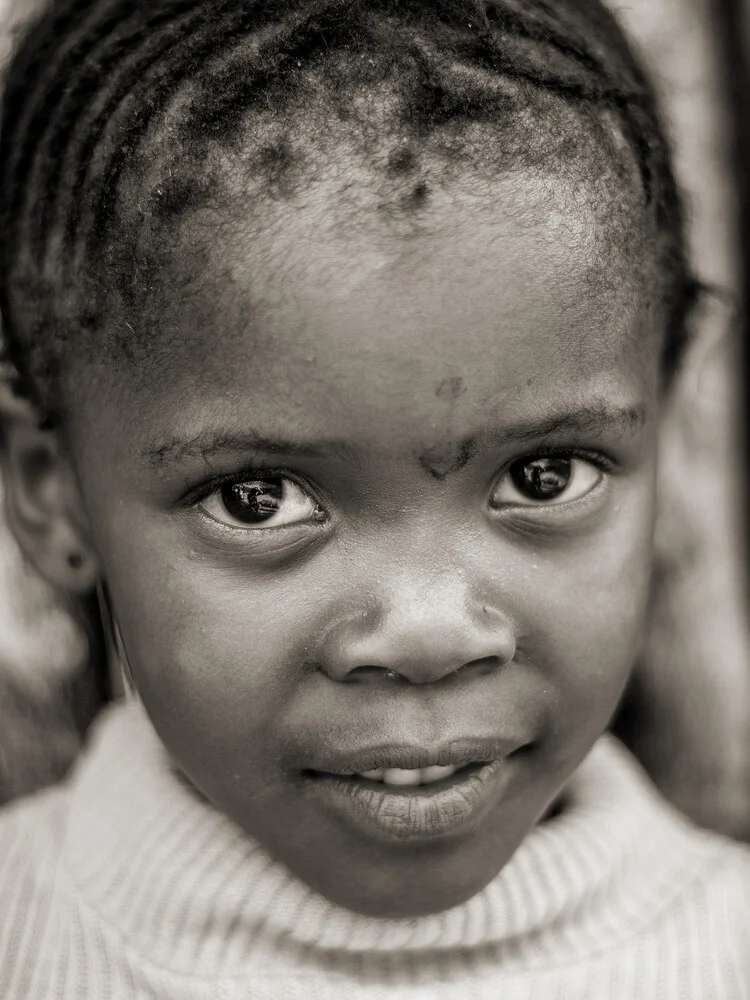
[(423, 635)]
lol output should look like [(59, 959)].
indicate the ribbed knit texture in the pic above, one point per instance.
[(124, 884)]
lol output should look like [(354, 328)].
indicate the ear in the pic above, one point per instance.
[(42, 498)]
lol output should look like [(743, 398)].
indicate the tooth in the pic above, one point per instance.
[(436, 772), (376, 775), (400, 776)]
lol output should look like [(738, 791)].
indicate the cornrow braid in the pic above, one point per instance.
[(116, 113)]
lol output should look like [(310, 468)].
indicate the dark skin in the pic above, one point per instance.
[(393, 384)]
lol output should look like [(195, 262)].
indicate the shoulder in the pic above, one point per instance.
[(716, 868), (679, 893), (27, 822), (31, 831), (707, 925), (703, 921), (680, 871), (723, 885)]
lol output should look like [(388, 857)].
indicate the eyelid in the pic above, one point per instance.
[(197, 494), (219, 525), (604, 466), (305, 514), (605, 463), (598, 458)]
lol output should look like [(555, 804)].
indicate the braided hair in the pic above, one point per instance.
[(120, 117)]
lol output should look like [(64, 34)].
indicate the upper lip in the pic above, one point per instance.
[(411, 756)]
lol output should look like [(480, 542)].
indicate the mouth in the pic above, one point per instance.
[(446, 795), (403, 777)]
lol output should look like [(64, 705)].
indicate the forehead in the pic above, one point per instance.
[(317, 318)]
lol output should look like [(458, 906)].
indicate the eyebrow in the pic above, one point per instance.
[(602, 420), (207, 444), (598, 419)]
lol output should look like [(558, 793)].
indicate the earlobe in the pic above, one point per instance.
[(42, 499)]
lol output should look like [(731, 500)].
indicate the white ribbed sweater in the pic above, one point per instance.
[(124, 884)]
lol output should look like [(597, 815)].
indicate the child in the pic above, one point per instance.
[(349, 325)]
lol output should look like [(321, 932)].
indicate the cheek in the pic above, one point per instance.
[(589, 609), (221, 649)]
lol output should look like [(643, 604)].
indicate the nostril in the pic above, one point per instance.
[(482, 665), (368, 672), (375, 674)]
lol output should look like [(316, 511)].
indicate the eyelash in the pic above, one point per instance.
[(197, 494), (194, 499), (597, 458)]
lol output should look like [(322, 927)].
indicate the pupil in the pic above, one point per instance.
[(253, 501), (542, 478)]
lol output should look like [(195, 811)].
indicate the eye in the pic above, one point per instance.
[(545, 480), (275, 502)]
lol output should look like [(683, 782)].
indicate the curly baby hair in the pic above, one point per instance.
[(125, 121)]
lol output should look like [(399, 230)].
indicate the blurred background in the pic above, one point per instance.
[(687, 713)]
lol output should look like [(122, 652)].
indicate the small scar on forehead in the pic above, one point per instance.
[(440, 462), (451, 388)]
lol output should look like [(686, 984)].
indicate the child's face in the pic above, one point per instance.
[(313, 511)]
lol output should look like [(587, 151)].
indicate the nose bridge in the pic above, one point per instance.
[(431, 613), (426, 597), (424, 568)]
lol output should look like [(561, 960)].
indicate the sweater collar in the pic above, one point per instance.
[(188, 890)]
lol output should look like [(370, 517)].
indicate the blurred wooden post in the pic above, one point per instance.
[(732, 18), (688, 712)]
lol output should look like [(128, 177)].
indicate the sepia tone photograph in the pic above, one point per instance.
[(374, 500)]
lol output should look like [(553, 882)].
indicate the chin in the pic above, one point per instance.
[(410, 882)]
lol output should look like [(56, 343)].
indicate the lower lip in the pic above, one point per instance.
[(422, 813)]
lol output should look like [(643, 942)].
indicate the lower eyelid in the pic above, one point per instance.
[(201, 505), (272, 540), (594, 465), (246, 529), (544, 511), (250, 548)]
